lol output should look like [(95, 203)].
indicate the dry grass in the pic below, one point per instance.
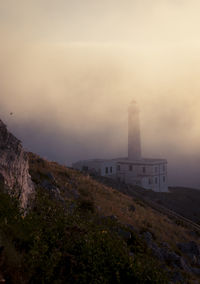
[(111, 202)]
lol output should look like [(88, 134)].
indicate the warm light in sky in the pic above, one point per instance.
[(69, 69)]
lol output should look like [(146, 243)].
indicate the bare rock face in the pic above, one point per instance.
[(14, 167)]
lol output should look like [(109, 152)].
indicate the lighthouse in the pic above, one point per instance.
[(148, 173), (134, 140)]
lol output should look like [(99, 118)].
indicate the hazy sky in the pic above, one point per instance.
[(68, 70), (129, 21)]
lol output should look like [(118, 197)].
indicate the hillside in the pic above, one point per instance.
[(184, 201), (81, 231), (107, 200), (131, 213)]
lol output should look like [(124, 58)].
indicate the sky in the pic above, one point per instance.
[(69, 69)]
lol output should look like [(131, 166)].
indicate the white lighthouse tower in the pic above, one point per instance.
[(134, 140)]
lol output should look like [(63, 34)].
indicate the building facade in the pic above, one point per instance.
[(106, 168), (147, 173)]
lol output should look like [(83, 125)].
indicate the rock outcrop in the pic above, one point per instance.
[(14, 167)]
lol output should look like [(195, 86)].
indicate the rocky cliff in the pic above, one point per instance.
[(14, 167)]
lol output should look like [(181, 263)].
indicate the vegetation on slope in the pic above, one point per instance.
[(80, 231), (68, 242), (109, 201)]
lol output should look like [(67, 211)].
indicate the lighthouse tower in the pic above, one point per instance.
[(134, 140), (149, 173)]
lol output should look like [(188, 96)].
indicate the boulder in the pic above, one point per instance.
[(152, 245), (51, 177), (131, 228), (189, 248), (174, 260), (124, 234), (164, 253), (14, 167), (183, 265), (193, 259), (157, 251), (112, 218), (131, 208), (75, 193), (148, 237), (53, 190), (177, 277), (47, 185), (196, 270)]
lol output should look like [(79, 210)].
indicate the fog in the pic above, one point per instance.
[(69, 69)]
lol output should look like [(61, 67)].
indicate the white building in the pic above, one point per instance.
[(135, 170), (106, 168), (147, 173)]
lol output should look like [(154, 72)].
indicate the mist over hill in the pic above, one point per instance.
[(69, 73)]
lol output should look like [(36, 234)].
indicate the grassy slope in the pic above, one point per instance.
[(67, 240), (111, 202)]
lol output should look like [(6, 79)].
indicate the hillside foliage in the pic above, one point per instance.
[(69, 243)]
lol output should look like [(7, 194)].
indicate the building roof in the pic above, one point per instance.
[(95, 161), (143, 161)]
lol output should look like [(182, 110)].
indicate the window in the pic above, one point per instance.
[(106, 170), (110, 169), (164, 178), (130, 167), (118, 167), (163, 168), (156, 180), (150, 181), (143, 170), (156, 169)]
